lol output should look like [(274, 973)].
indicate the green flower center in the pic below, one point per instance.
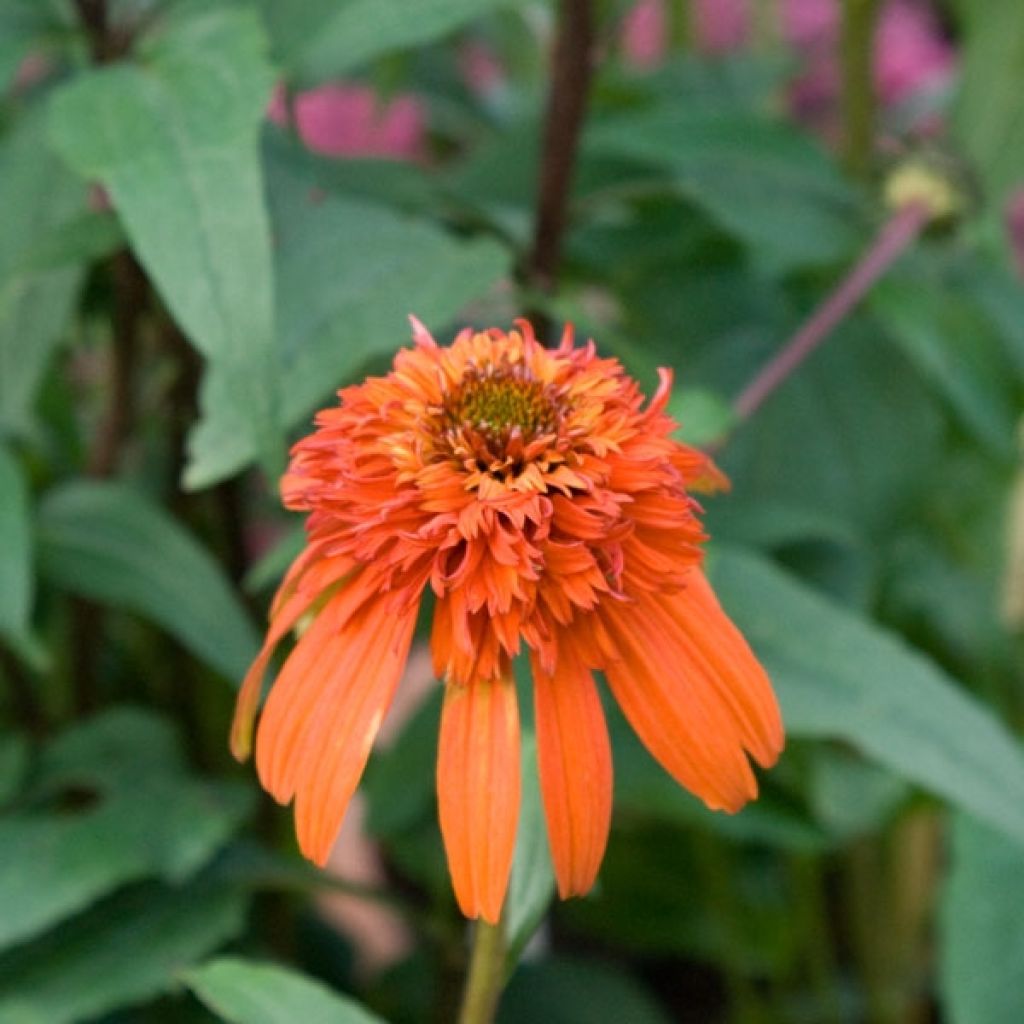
[(500, 399)]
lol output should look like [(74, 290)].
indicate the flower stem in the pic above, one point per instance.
[(892, 241), (859, 20), (572, 71), (486, 976), (680, 25)]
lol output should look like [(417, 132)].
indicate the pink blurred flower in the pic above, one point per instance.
[(351, 120), (720, 25), (32, 70), (1015, 227), (809, 23), (481, 68), (645, 34), (911, 54)]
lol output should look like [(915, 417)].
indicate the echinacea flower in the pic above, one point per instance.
[(348, 120), (545, 506)]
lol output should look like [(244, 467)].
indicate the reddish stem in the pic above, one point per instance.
[(892, 241), (572, 71)]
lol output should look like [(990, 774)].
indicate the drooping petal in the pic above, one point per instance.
[(718, 656), (293, 599), (685, 724), (478, 791), (575, 764), (324, 712)]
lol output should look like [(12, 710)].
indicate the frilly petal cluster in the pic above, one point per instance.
[(550, 511)]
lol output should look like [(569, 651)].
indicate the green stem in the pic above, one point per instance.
[(766, 33), (867, 910), (486, 976), (717, 876), (818, 945), (680, 27), (859, 20)]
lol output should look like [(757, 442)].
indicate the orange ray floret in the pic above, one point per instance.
[(550, 510)]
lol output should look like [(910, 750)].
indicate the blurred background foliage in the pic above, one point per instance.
[(214, 214)]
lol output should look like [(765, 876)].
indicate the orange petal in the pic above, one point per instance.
[(718, 653), (289, 605), (249, 694), (478, 791), (682, 721), (575, 763), (324, 711)]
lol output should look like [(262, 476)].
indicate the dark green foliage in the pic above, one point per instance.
[(144, 421)]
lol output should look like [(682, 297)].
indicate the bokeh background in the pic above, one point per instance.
[(213, 214)]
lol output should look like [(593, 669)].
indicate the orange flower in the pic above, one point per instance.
[(542, 504)]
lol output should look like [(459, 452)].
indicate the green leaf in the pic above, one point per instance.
[(644, 791), (348, 275), (399, 784), (824, 441), (175, 141), (703, 416), (532, 884), (107, 542), (982, 928), (14, 752), (398, 184), (320, 39), (997, 291), (576, 992), (271, 566), (761, 180), (24, 25), (111, 803), (954, 345), (15, 550), (987, 115), (851, 796), (244, 992), (127, 950), (40, 195), (842, 677), (90, 236)]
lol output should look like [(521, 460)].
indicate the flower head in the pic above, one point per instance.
[(547, 508)]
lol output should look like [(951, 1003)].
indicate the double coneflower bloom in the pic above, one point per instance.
[(546, 508)]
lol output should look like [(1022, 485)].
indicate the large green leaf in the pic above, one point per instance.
[(982, 928), (824, 441), (760, 179), (320, 39), (111, 803), (839, 676), (954, 345), (16, 549), (174, 139), (348, 275), (243, 992), (129, 949), (39, 195), (106, 541)]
